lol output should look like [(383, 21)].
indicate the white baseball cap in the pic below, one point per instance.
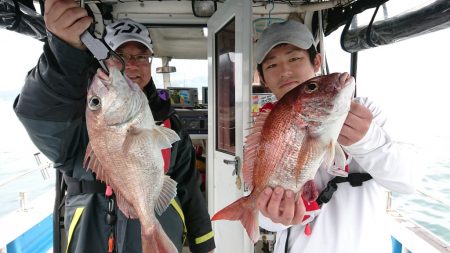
[(125, 30), (290, 31)]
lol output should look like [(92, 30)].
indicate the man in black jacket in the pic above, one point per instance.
[(52, 106)]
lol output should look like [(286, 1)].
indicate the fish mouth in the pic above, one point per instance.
[(345, 95), (348, 85), (345, 78)]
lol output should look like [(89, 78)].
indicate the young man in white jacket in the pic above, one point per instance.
[(352, 220)]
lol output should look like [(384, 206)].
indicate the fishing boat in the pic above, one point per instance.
[(199, 31)]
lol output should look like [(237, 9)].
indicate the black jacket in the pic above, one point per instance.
[(51, 106)]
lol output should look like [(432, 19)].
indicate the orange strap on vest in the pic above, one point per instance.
[(166, 152)]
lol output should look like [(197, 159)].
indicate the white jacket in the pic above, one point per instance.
[(353, 220)]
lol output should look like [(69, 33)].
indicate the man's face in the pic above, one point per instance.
[(287, 66), (137, 63)]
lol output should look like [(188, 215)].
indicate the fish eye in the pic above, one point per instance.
[(94, 103), (311, 87)]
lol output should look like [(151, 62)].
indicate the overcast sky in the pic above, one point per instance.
[(18, 53)]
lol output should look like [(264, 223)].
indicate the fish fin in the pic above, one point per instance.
[(259, 119), (248, 166), (91, 162), (164, 136), (125, 207), (136, 137), (89, 157), (160, 136), (155, 240), (245, 211), (168, 192), (340, 161), (250, 155), (310, 147), (329, 155), (252, 141)]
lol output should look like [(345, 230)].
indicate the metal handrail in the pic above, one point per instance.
[(433, 196), (43, 167), (423, 192)]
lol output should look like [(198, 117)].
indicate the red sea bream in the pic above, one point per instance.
[(125, 152)]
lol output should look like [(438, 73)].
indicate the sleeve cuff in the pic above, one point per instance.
[(374, 138), (269, 225), (203, 243)]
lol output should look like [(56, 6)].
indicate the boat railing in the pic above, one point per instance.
[(434, 196), (42, 167), (423, 192), (408, 235), (36, 215)]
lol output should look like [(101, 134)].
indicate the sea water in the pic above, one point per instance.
[(16, 158), (431, 213)]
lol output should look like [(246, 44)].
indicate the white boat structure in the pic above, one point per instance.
[(29, 228), (189, 29)]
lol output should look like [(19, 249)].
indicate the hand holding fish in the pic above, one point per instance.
[(356, 124), (280, 206), (67, 21)]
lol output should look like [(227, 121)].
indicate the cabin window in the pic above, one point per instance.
[(189, 74), (225, 83)]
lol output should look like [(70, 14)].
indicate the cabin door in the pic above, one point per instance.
[(229, 64)]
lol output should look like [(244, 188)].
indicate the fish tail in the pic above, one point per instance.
[(156, 241), (245, 211)]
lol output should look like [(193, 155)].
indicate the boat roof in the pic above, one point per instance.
[(178, 31)]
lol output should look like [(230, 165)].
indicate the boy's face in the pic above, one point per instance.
[(287, 66)]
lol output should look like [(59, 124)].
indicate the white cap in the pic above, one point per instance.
[(125, 30), (290, 31)]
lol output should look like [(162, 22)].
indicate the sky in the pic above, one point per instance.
[(409, 79), (19, 53)]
